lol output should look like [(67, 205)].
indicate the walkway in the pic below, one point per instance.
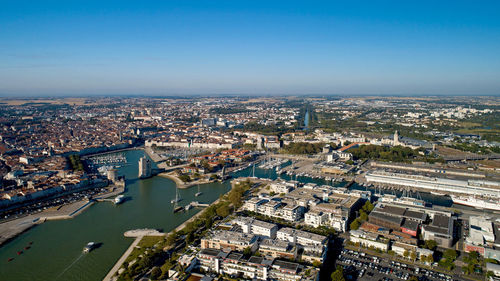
[(119, 263)]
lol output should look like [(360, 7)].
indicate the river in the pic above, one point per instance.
[(56, 253)]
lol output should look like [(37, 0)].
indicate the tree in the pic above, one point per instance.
[(223, 210), (406, 254), (338, 274), (316, 263), (413, 255), (363, 216), (450, 255), (368, 206), (247, 251), (235, 197), (430, 244), (172, 238), (189, 237), (354, 225), (155, 273)]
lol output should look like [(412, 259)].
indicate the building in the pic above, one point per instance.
[(252, 226), (253, 204), (257, 268), (144, 167), (440, 230), (277, 249), (301, 237), (369, 240), (224, 239), (472, 187)]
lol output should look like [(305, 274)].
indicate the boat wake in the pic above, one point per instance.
[(69, 266)]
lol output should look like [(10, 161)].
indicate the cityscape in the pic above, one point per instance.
[(315, 186), (249, 140)]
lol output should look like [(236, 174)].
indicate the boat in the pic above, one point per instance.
[(177, 198), (27, 247), (89, 247), (437, 193), (478, 203), (177, 209), (10, 259), (188, 207), (199, 192), (19, 252), (119, 199)]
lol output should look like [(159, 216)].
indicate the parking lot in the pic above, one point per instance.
[(361, 266)]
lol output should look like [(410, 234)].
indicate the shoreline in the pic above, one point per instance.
[(9, 230), (110, 275), (179, 183)]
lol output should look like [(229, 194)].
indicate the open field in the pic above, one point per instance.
[(44, 101)]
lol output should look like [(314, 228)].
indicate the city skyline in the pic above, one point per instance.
[(249, 48)]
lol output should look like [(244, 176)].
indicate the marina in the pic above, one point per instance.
[(61, 241), (106, 223)]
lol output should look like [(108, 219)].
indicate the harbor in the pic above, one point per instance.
[(149, 207), (62, 241)]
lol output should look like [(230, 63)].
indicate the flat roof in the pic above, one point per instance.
[(441, 221), (382, 216), (255, 260), (415, 215), (392, 210), (210, 252), (286, 265), (409, 224)]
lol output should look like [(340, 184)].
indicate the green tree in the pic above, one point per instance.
[(430, 244), (355, 224), (172, 238), (223, 210), (247, 251), (368, 206), (155, 273), (316, 263), (413, 255), (406, 254), (450, 255), (338, 274)]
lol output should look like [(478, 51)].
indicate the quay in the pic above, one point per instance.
[(12, 228)]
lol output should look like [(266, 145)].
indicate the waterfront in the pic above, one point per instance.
[(56, 253), (57, 249)]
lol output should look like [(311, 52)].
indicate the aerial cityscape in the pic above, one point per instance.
[(235, 140)]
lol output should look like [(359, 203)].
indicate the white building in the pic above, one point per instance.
[(252, 226), (368, 240)]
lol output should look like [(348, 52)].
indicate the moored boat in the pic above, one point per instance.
[(478, 203)]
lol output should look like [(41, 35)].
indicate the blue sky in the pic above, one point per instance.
[(249, 47)]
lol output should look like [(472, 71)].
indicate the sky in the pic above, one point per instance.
[(249, 47)]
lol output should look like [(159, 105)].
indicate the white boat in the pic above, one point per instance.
[(478, 203), (437, 193), (188, 207), (177, 198), (119, 199), (89, 247), (199, 192)]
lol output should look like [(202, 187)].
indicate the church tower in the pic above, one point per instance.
[(396, 138)]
